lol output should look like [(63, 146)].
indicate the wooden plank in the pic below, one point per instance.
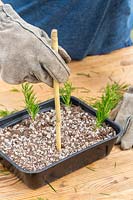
[(106, 179)]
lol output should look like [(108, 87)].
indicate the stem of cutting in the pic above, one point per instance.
[(54, 39)]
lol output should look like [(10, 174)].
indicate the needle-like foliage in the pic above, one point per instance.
[(66, 92), (110, 98), (5, 112), (30, 100)]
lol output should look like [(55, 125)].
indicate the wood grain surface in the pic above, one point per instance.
[(108, 179)]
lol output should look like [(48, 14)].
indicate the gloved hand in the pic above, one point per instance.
[(26, 54), (125, 119)]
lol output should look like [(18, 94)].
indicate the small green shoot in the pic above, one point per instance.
[(5, 112), (14, 90), (118, 88), (4, 172), (109, 99), (92, 169), (66, 92), (30, 100), (84, 74)]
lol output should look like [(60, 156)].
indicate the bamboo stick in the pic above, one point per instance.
[(54, 39)]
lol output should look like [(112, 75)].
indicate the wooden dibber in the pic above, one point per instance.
[(54, 40)]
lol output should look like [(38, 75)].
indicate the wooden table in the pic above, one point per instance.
[(108, 179)]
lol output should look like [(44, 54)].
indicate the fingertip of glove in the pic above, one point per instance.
[(64, 55), (68, 59), (130, 90), (63, 79), (125, 145)]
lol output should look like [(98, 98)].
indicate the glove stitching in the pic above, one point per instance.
[(127, 123)]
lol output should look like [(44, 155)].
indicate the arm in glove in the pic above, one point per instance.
[(125, 119), (26, 53)]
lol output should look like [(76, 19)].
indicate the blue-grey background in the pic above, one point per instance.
[(85, 27)]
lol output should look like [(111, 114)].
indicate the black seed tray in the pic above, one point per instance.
[(65, 166)]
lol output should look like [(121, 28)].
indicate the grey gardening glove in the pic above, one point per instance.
[(26, 54), (125, 119)]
